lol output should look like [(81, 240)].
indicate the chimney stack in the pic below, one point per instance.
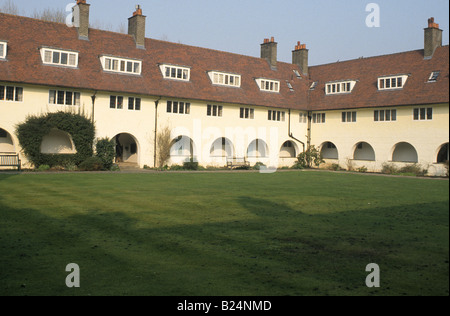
[(136, 27), (433, 38), (81, 19), (300, 57), (269, 51)]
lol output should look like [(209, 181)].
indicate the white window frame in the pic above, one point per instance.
[(17, 93), (213, 110), (178, 107), (434, 76), (339, 87), (303, 118), (349, 117), (3, 49), (247, 113), (427, 116), (387, 82), (276, 116), (385, 115), (48, 54), (268, 85), (54, 93), (318, 118), (121, 65), (225, 79), (174, 72)]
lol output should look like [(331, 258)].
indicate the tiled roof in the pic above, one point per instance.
[(25, 36)]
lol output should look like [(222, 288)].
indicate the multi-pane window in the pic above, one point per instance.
[(59, 57), (121, 65), (214, 110), (349, 117), (303, 118), (318, 118), (177, 107), (10, 93), (247, 113), (276, 116), (385, 115), (62, 97), (225, 79), (394, 82), (423, 114), (3, 46), (340, 87), (116, 102), (134, 104), (268, 85), (175, 72)]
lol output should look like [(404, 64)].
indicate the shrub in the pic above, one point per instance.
[(414, 169), (92, 164), (446, 168), (362, 169), (106, 151), (163, 144), (258, 165), (388, 168), (309, 157), (43, 168), (190, 165), (335, 167)]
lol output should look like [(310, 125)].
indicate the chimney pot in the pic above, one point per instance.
[(433, 38)]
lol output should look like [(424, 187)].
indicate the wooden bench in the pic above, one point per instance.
[(237, 163), (10, 160)]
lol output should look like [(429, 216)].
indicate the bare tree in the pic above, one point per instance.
[(51, 15), (9, 7), (163, 144)]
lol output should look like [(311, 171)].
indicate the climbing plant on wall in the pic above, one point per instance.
[(32, 131)]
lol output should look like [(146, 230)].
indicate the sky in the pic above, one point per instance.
[(331, 29)]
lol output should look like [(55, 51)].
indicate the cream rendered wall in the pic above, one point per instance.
[(426, 137)]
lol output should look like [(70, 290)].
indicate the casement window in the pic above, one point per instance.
[(214, 110), (434, 76), (10, 93), (225, 79), (247, 113), (177, 107), (388, 115), (339, 87), (313, 85), (59, 57), (61, 97), (175, 72), (3, 47), (121, 65), (134, 104), (349, 117), (297, 74), (279, 116), (303, 118), (116, 102), (423, 114), (268, 85), (393, 82), (291, 88), (318, 118)]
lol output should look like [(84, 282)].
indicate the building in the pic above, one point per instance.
[(363, 112)]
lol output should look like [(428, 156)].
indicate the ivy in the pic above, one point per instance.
[(32, 131)]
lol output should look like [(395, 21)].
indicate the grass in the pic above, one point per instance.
[(209, 234)]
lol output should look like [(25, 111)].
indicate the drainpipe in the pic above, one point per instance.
[(290, 134), (93, 97), (156, 131)]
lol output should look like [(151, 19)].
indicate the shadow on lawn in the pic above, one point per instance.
[(281, 252)]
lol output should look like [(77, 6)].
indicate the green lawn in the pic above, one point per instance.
[(287, 233)]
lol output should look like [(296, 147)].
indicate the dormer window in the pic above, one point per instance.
[(297, 74), (340, 87), (121, 65), (225, 79), (3, 46), (433, 77), (59, 57), (268, 85), (313, 85), (175, 72), (392, 82)]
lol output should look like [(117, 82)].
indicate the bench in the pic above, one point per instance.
[(237, 163), (10, 160)]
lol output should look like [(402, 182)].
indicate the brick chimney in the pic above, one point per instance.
[(269, 51), (300, 57), (136, 27), (433, 38), (81, 19)]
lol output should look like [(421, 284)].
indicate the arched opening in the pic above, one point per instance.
[(127, 149), (364, 151), (182, 149), (443, 154), (258, 149), (6, 142), (288, 150), (58, 142), (222, 148), (405, 152), (329, 151)]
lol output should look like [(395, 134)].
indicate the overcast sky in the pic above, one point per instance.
[(332, 29)]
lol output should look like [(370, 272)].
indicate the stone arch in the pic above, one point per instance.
[(329, 150), (289, 149), (183, 148), (6, 142), (442, 153), (127, 148), (222, 148), (404, 152), (363, 151), (258, 149), (58, 142)]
